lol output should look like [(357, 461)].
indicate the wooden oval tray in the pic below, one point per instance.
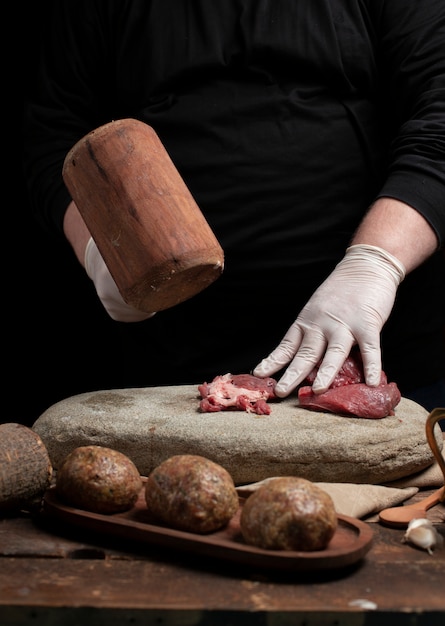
[(351, 541)]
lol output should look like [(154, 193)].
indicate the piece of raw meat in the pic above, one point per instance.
[(350, 395), (359, 400), (242, 392)]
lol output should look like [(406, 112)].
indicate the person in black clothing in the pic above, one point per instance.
[(312, 137)]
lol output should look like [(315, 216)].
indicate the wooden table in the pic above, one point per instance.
[(53, 576)]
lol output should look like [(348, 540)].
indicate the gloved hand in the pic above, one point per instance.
[(107, 289), (350, 307)]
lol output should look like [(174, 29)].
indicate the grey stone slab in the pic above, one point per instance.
[(154, 423)]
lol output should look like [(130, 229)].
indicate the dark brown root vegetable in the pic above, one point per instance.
[(98, 479), (25, 468), (289, 513), (190, 492)]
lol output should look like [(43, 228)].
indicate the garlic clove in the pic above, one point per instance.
[(421, 533)]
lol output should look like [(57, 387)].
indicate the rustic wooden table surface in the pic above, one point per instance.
[(53, 574)]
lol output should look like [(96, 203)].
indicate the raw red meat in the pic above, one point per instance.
[(350, 395), (242, 392), (359, 399), (351, 372)]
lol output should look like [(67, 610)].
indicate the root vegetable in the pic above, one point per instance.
[(25, 468)]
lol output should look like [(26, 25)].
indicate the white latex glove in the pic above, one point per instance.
[(350, 307), (107, 289)]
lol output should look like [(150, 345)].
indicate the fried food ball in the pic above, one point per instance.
[(98, 479), (192, 493), (289, 513)]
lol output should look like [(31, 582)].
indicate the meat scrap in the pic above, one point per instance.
[(242, 392), (350, 395)]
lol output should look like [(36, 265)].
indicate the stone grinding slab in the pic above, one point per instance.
[(154, 423)]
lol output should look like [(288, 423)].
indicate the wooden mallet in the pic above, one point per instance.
[(153, 237)]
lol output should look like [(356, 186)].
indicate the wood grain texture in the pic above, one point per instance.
[(54, 573), (152, 235)]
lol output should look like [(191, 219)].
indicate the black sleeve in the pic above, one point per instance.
[(412, 57)]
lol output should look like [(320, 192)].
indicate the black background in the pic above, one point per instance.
[(56, 343)]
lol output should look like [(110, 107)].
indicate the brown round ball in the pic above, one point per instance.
[(190, 492), (289, 513), (98, 479)]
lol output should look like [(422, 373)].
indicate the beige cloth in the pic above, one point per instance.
[(351, 499), (430, 478), (363, 500)]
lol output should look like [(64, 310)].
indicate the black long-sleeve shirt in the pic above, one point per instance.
[(286, 119)]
